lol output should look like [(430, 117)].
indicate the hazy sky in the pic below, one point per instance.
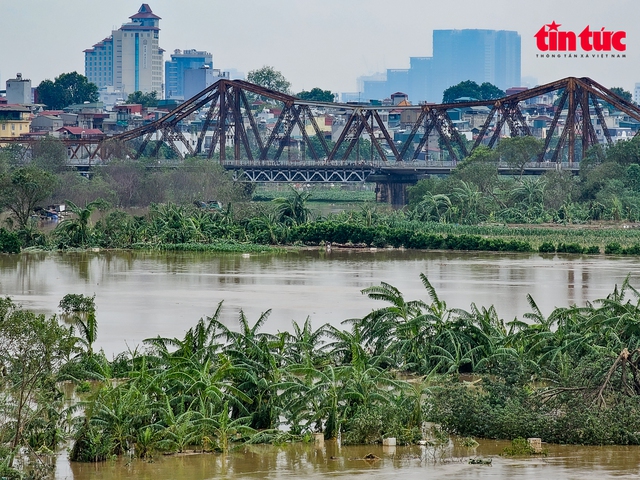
[(324, 43)]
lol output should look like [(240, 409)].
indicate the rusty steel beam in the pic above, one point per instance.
[(425, 138), (288, 128), (316, 128), (252, 120), (343, 135), (571, 119), (554, 123), (387, 137), (303, 131), (274, 132), (228, 108), (424, 114), (213, 106), (356, 137), (603, 124), (374, 141)]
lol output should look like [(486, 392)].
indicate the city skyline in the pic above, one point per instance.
[(327, 46)]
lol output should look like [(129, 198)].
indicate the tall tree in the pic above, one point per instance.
[(32, 349), (488, 91), (268, 77), (67, 89), (622, 93), (471, 89), (518, 151), (50, 154), (316, 95), (23, 190), (145, 99)]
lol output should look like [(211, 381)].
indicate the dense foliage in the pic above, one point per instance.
[(570, 377), (145, 99), (316, 95), (471, 90), (197, 205), (608, 188), (269, 77), (66, 89)]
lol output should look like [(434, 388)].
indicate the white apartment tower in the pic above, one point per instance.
[(130, 59)]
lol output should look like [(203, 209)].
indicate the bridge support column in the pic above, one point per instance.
[(394, 193), (391, 187)]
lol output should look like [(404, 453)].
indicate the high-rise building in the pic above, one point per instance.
[(175, 69), (130, 59), (479, 55), (98, 63)]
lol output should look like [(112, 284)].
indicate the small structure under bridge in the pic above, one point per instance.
[(223, 123)]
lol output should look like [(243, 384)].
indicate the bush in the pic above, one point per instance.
[(373, 423), (613, 248), (592, 250), (519, 446), (9, 241), (499, 410), (632, 250), (547, 247), (569, 248)]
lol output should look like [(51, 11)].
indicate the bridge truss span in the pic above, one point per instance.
[(235, 122), (302, 174)]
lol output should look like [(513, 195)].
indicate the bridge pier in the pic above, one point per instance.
[(391, 188), (392, 193)]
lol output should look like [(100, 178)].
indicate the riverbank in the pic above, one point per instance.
[(561, 375), (256, 236)]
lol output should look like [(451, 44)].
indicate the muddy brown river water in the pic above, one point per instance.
[(141, 294), (307, 461)]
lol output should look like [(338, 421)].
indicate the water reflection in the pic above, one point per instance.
[(308, 461), (143, 294)]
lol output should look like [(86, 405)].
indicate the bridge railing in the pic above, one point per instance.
[(412, 164)]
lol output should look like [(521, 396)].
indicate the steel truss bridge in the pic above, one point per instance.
[(228, 127), (222, 123)]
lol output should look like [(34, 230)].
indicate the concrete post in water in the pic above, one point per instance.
[(535, 444), (318, 439), (389, 446)]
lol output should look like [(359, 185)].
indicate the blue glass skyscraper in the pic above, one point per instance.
[(480, 55)]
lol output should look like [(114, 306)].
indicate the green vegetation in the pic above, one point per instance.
[(570, 377), (470, 89), (607, 189), (269, 77), (145, 99), (333, 195), (67, 89), (316, 95), (196, 205)]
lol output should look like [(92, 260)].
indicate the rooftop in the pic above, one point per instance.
[(144, 12)]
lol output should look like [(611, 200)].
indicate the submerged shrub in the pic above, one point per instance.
[(547, 247), (9, 241), (569, 248), (613, 248)]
